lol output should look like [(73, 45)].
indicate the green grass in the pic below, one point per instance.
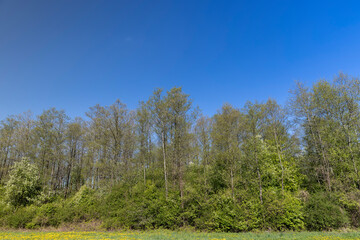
[(164, 234)]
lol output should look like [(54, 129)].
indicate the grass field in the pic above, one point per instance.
[(156, 235)]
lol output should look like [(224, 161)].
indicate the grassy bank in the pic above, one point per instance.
[(164, 234)]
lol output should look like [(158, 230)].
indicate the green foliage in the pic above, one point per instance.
[(225, 215), (282, 211), (46, 215), (322, 212), (23, 187), (83, 206), (351, 203), (4, 209), (144, 208), (21, 217), (260, 167)]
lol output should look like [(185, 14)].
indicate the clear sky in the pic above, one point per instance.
[(74, 54)]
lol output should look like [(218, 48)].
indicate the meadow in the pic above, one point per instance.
[(176, 235)]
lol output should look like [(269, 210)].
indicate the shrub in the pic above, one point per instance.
[(145, 207), (83, 206), (23, 186), (21, 217), (224, 215), (322, 212), (351, 203), (282, 211), (46, 215)]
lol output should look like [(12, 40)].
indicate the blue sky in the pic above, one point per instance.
[(74, 54)]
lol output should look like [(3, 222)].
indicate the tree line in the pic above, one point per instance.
[(261, 166)]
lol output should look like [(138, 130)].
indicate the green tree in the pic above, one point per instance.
[(181, 116), (24, 184), (144, 130), (254, 146), (203, 143), (282, 147), (226, 143), (161, 120)]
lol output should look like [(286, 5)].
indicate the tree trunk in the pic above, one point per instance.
[(232, 183), (280, 160), (164, 158)]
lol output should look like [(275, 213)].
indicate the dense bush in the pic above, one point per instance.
[(24, 186), (351, 203), (145, 207), (323, 212), (142, 208), (225, 215), (21, 217), (46, 215), (83, 206), (282, 211)]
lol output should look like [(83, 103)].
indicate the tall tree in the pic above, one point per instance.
[(50, 133), (144, 129), (253, 137), (226, 141), (161, 120), (203, 130), (181, 118)]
